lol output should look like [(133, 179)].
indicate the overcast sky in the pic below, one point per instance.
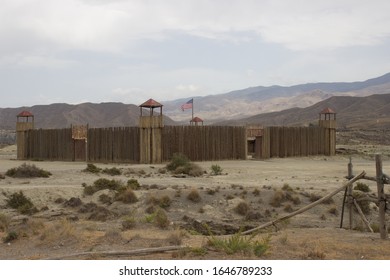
[(128, 51)]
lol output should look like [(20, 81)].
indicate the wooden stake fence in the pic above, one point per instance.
[(381, 179)]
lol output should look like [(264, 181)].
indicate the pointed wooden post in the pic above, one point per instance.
[(381, 197)]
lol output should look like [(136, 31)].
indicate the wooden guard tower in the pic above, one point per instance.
[(151, 126), (24, 122), (196, 121), (327, 119)]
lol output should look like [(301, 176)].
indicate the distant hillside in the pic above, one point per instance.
[(63, 115), (252, 101), (352, 113)]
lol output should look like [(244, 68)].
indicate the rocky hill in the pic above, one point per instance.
[(62, 115), (370, 112), (259, 100)]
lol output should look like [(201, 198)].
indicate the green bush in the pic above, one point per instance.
[(216, 169), (362, 187), (133, 184), (239, 243), (92, 168), (22, 203), (178, 160), (27, 171), (112, 171), (180, 164), (102, 184)]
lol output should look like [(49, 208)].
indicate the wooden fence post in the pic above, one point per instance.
[(349, 177), (381, 196)]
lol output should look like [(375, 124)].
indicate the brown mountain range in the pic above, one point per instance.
[(62, 115), (369, 112)]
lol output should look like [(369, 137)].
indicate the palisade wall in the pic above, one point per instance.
[(122, 144)]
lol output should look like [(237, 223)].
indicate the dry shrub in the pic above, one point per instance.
[(27, 171), (314, 197), (128, 222), (59, 231), (333, 211), (180, 164), (176, 237), (277, 199), (4, 222), (288, 208), (194, 196), (105, 198), (126, 196), (164, 201), (242, 208), (161, 219)]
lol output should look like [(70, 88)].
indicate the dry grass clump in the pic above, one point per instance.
[(4, 222), (283, 195), (242, 208), (176, 237), (128, 222), (22, 203), (194, 196), (126, 195), (59, 231), (161, 218), (163, 202), (27, 171), (180, 164)]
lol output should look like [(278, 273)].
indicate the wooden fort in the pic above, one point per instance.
[(153, 142)]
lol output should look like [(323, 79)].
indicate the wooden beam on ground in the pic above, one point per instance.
[(307, 207), (136, 252), (364, 219)]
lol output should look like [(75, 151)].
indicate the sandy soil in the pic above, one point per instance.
[(59, 230)]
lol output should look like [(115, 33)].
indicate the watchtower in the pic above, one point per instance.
[(196, 121), (151, 124), (24, 122), (327, 119)]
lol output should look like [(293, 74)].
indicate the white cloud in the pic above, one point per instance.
[(115, 25), (190, 88)]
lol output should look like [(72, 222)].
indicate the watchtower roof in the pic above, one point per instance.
[(151, 104), (25, 114), (197, 119), (327, 111)]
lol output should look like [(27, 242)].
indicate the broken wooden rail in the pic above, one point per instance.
[(307, 207), (381, 179)]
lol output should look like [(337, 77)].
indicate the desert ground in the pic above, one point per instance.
[(70, 224)]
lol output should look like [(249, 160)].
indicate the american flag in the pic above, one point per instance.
[(187, 105)]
